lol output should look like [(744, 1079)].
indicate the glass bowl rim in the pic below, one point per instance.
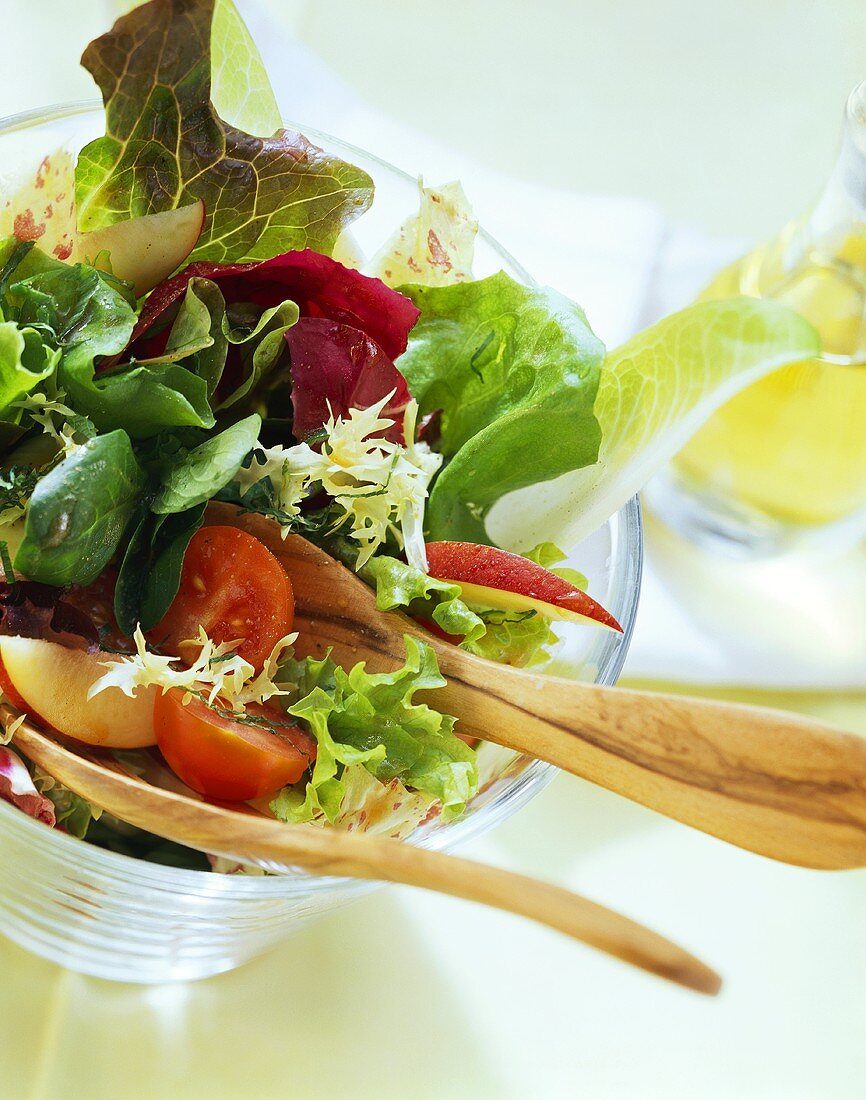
[(536, 776)]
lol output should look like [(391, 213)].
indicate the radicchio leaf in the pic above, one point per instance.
[(336, 367), (32, 610), (320, 286), (16, 787)]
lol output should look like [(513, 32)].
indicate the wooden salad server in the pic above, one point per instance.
[(254, 838), (775, 783)]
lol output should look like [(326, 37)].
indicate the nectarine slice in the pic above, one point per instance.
[(144, 251), (52, 683), (498, 579)]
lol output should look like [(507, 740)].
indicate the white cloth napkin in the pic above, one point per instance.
[(797, 623)]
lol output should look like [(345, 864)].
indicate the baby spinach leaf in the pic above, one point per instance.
[(207, 468), (80, 311), (515, 371), (233, 349), (76, 305), (257, 350), (165, 146), (78, 512), (149, 575), (142, 400), (192, 334)]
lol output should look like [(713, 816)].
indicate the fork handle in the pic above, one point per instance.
[(769, 781)]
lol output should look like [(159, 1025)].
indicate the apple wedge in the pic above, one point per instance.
[(144, 251), (495, 578), (51, 682)]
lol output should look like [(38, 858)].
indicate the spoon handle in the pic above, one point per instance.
[(256, 839), (776, 783)]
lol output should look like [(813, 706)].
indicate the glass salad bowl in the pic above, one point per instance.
[(120, 918)]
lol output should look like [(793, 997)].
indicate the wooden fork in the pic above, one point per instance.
[(772, 782)]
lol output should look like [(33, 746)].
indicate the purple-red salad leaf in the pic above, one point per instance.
[(335, 368), (32, 610), (17, 787), (320, 286)]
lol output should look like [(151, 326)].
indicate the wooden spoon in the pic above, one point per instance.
[(772, 782), (252, 838)]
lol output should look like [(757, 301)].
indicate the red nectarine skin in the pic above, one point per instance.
[(489, 567)]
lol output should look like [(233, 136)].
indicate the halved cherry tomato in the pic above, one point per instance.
[(234, 587), (221, 757)]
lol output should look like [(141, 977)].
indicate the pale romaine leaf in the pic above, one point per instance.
[(383, 809), (514, 370), (435, 246), (655, 392), (38, 187), (165, 146)]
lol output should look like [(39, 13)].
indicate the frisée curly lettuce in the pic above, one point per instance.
[(180, 345)]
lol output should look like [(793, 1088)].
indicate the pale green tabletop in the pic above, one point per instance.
[(410, 995)]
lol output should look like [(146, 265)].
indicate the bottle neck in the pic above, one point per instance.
[(817, 265)]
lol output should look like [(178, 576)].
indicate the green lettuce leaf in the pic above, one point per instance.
[(165, 146), (25, 361), (399, 585), (361, 718), (548, 554), (511, 638), (84, 314), (72, 812), (78, 512), (204, 332), (515, 370)]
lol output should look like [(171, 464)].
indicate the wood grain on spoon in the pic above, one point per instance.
[(772, 782), (256, 839)]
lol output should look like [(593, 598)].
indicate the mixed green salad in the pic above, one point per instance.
[(188, 335)]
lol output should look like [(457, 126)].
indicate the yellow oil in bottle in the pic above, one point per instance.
[(792, 447)]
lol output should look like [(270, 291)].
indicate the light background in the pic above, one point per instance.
[(727, 116)]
